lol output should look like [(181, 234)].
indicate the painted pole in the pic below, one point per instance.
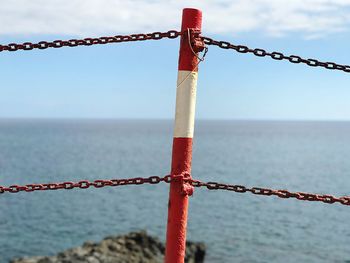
[(182, 141)]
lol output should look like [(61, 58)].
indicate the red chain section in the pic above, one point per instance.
[(90, 41), (329, 199), (84, 184), (259, 52), (198, 43)]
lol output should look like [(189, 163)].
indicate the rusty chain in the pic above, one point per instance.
[(90, 41), (84, 184), (276, 55), (329, 199), (197, 38)]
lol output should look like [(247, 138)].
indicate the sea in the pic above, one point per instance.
[(310, 156)]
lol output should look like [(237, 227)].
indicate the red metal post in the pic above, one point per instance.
[(182, 142)]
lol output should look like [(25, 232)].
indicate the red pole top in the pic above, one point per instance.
[(191, 18)]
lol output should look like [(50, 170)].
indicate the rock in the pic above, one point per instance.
[(195, 252), (135, 247)]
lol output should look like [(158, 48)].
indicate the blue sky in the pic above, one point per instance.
[(138, 80)]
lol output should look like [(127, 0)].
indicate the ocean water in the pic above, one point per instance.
[(299, 156)]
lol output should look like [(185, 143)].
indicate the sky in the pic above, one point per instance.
[(138, 80)]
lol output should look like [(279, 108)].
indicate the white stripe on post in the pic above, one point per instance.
[(185, 104)]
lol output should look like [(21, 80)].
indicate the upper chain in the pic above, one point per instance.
[(276, 55), (90, 41), (186, 178), (195, 37)]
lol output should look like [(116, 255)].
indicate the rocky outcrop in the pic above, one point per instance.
[(136, 247)]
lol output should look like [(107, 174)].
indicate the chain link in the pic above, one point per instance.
[(276, 55), (90, 41), (329, 199)]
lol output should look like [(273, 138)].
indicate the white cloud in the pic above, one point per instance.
[(310, 18)]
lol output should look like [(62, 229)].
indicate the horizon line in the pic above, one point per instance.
[(171, 119)]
